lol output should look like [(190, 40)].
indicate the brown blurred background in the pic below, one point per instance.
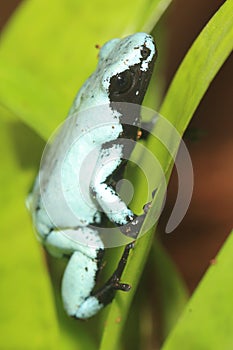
[(209, 218)]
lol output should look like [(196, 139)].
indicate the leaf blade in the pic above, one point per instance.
[(208, 320), (203, 44)]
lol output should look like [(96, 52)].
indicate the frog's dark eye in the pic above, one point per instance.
[(145, 52), (122, 82)]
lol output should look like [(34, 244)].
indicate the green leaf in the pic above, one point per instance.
[(27, 300), (27, 309), (207, 322), (119, 308), (189, 85), (192, 79), (201, 64), (55, 44), (172, 292)]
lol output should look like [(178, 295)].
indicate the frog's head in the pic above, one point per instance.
[(128, 66)]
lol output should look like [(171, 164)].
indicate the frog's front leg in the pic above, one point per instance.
[(109, 160), (79, 280), (78, 283), (108, 164)]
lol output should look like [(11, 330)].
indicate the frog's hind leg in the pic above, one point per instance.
[(77, 284), (133, 228), (79, 280), (106, 294)]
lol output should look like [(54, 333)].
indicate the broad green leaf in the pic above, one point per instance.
[(27, 314), (201, 64), (119, 308), (172, 293), (48, 50), (27, 302), (207, 322), (192, 79)]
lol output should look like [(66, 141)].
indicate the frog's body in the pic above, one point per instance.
[(122, 75)]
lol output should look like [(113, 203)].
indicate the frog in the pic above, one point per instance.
[(119, 83)]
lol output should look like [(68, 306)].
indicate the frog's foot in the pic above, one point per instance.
[(79, 299), (133, 227), (107, 292)]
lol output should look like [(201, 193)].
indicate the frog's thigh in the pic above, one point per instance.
[(77, 284), (66, 241)]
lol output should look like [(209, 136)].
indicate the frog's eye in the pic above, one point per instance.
[(122, 82), (145, 52)]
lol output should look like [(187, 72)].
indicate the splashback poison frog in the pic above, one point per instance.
[(75, 189)]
